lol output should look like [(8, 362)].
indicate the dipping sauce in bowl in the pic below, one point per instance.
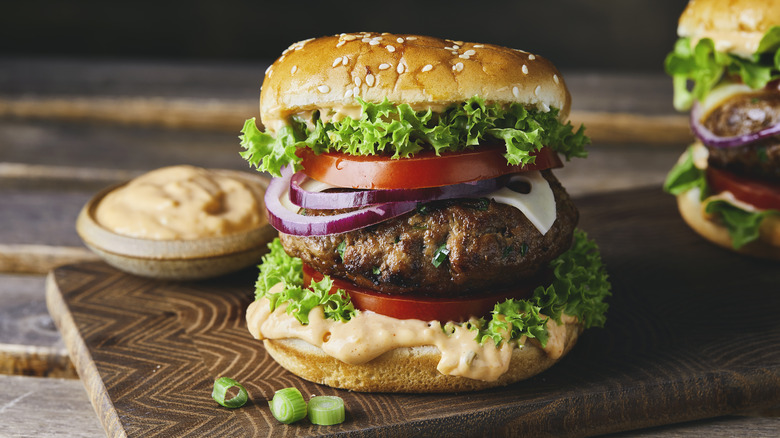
[(182, 202), (180, 223)]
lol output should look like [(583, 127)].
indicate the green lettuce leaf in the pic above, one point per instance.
[(579, 289), (398, 131), (580, 285), (278, 267), (743, 226), (685, 176), (704, 66)]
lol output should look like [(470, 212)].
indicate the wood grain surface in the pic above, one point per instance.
[(692, 333)]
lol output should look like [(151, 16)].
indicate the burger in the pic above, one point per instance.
[(725, 69), (424, 243)]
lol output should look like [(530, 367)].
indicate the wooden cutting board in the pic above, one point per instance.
[(693, 332)]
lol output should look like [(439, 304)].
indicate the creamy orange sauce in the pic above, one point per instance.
[(181, 202), (368, 335)]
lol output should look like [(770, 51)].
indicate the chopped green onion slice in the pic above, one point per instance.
[(326, 410), (342, 246), (221, 387), (441, 254), (288, 405)]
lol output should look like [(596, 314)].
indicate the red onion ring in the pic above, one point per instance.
[(326, 201), (710, 139), (289, 222)]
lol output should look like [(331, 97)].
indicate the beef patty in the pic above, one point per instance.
[(491, 246), (742, 115)]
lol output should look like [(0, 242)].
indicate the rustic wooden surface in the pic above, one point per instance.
[(69, 127), (680, 345)]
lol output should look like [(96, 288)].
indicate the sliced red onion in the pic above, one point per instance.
[(284, 216), (710, 139), (322, 200)]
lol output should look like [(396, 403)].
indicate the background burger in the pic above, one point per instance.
[(726, 66), (425, 245)]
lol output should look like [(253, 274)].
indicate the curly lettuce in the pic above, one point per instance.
[(579, 288), (278, 267), (398, 131), (704, 66), (743, 226)]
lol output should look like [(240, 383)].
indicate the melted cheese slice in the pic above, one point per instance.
[(538, 205)]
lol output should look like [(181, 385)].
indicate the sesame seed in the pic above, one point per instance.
[(293, 69), (345, 60), (268, 69), (337, 61), (400, 68), (348, 93), (531, 57), (356, 91), (349, 37), (400, 40), (411, 38), (458, 66), (384, 66), (341, 43), (366, 40), (370, 80), (455, 46), (516, 92), (374, 42), (471, 52), (323, 88), (454, 52), (357, 81), (464, 56), (427, 67), (525, 69), (479, 46), (391, 49), (537, 89), (460, 43), (555, 78)]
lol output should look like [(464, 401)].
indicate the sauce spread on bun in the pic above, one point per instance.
[(368, 335)]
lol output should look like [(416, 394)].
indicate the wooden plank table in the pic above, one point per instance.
[(69, 128)]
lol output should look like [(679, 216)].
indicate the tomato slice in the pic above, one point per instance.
[(760, 194), (423, 307), (425, 169)]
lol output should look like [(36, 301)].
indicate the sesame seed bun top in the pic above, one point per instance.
[(425, 72), (736, 26)]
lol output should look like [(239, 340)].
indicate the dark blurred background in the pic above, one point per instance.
[(605, 35)]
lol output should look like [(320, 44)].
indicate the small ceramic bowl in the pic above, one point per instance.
[(189, 259)]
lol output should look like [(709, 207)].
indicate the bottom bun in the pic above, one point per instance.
[(410, 370), (767, 246)]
